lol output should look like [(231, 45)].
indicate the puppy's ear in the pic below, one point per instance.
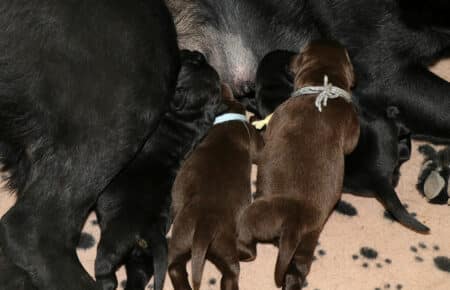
[(296, 64), (349, 71), (227, 93)]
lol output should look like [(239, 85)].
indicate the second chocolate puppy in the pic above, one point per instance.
[(210, 192), (301, 168)]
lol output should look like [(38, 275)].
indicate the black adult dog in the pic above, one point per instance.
[(134, 210), (390, 42), (83, 85), (372, 169)]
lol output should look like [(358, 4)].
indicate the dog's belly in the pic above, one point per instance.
[(235, 40), (235, 61)]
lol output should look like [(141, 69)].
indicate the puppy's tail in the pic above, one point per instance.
[(289, 240), (204, 234), (389, 198), (160, 259)]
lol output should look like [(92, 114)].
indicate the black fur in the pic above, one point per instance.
[(390, 42), (275, 87), (82, 86), (384, 144), (133, 211)]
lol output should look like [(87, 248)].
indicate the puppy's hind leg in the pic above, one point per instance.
[(260, 221), (224, 255), (147, 259), (301, 263), (139, 268), (180, 250), (114, 244), (177, 272)]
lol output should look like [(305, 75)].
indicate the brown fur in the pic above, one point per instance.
[(209, 194), (301, 167)]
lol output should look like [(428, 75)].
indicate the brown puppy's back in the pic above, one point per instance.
[(209, 194), (301, 167), (304, 152)]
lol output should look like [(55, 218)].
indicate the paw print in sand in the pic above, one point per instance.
[(346, 208), (87, 241), (389, 286), (420, 250), (369, 257)]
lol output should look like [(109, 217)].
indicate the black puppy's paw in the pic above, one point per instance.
[(247, 253)]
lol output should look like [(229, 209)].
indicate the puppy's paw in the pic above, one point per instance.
[(107, 282), (247, 253)]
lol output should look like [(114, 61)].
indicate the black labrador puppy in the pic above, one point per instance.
[(372, 169), (83, 85), (390, 42), (134, 210)]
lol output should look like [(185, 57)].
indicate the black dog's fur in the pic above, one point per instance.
[(274, 82), (134, 210), (82, 86), (390, 42), (384, 142)]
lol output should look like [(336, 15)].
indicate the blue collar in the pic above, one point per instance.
[(229, 117)]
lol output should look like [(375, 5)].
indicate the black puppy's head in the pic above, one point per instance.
[(198, 91), (274, 81)]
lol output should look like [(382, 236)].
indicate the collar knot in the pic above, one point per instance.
[(325, 92)]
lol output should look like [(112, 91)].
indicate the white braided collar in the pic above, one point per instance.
[(327, 91)]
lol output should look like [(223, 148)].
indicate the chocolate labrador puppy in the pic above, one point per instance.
[(209, 194), (133, 211), (372, 169), (301, 168)]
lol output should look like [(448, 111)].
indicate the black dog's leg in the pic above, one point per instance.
[(39, 234), (41, 231), (139, 268), (422, 98), (387, 196), (12, 277), (149, 257), (115, 243)]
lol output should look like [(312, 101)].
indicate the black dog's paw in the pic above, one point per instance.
[(192, 56)]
